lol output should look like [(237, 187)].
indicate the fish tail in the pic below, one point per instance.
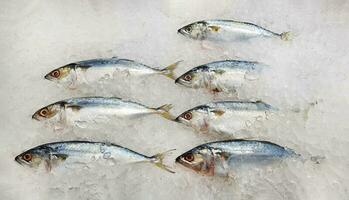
[(164, 111), (157, 160), (286, 36), (169, 70)]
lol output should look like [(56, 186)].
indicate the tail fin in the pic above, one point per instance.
[(164, 111), (286, 36), (168, 71), (157, 160)]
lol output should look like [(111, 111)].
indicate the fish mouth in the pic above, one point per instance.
[(178, 159), (18, 160), (177, 119), (178, 81), (48, 77), (34, 116), (182, 31)]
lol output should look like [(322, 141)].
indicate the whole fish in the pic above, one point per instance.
[(225, 117), (220, 158), (221, 76), (70, 152), (79, 111), (227, 30), (89, 71)]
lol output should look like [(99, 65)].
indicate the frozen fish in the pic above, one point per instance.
[(70, 152), (220, 158), (228, 30), (225, 117), (90, 71), (77, 111), (221, 76)]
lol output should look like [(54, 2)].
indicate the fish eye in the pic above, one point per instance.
[(43, 112), (189, 157), (27, 157), (187, 116), (188, 77), (188, 28), (55, 73)]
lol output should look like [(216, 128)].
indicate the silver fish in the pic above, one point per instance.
[(228, 30), (96, 109), (221, 76), (225, 117), (220, 158), (89, 71), (57, 153)]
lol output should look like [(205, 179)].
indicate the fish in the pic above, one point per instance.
[(221, 76), (77, 111), (56, 154), (222, 157), (225, 117), (228, 30), (90, 71)]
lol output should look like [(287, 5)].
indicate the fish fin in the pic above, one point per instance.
[(169, 70), (74, 107), (164, 111), (251, 76), (218, 112), (286, 36), (114, 57), (61, 157), (157, 160), (48, 166), (219, 71), (214, 28)]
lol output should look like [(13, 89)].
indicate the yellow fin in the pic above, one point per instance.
[(214, 28), (169, 70), (286, 36), (157, 159), (74, 108), (164, 111), (218, 112)]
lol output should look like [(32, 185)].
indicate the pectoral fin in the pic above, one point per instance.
[(218, 112), (74, 107), (214, 28), (219, 71)]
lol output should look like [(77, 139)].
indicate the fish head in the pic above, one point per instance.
[(65, 74), (196, 30), (34, 157), (48, 112), (199, 159), (194, 78), (196, 117)]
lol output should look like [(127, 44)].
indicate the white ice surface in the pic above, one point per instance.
[(37, 36)]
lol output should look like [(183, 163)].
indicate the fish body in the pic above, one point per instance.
[(221, 76), (225, 117), (90, 71), (220, 158), (70, 152), (227, 30), (96, 109)]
